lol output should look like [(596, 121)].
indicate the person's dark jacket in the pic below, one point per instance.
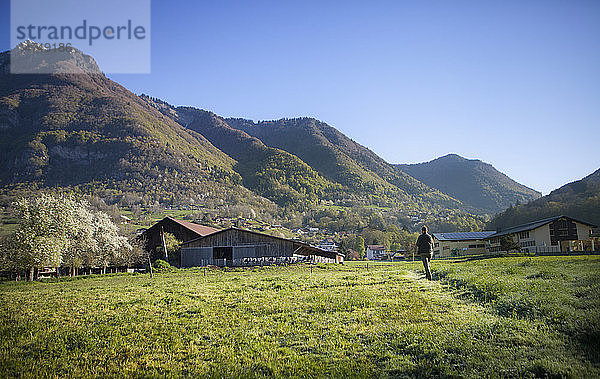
[(425, 244)]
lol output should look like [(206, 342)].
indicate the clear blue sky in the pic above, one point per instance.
[(513, 83)]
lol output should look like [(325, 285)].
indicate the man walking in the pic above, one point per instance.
[(425, 250)]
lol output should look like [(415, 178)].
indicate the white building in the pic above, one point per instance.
[(460, 243), (328, 246), (375, 252), (550, 235)]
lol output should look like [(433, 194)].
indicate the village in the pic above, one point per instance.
[(240, 245), (225, 241)]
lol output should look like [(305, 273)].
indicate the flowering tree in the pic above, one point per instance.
[(41, 236), (82, 242), (109, 242), (137, 253), (60, 230)]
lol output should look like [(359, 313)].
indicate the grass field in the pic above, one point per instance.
[(501, 317)]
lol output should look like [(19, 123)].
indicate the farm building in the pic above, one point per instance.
[(550, 235), (239, 247), (182, 230), (460, 243)]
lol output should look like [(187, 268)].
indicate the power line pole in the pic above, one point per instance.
[(162, 234)]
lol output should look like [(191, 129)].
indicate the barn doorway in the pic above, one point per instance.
[(223, 252)]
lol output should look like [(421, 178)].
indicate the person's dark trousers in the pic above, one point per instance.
[(426, 258)]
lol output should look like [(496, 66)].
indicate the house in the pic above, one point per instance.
[(182, 230), (328, 245), (375, 252), (550, 235), (460, 243), (240, 247)]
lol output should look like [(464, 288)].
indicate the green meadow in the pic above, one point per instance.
[(500, 317)]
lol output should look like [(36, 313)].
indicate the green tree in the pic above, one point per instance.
[(173, 246), (359, 246), (351, 244), (376, 221), (374, 236), (508, 243)]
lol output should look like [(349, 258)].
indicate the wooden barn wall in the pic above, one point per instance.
[(278, 247), (238, 237), (196, 256)]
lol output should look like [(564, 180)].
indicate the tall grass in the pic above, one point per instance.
[(330, 320), (561, 292)]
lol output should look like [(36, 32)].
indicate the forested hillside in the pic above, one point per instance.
[(297, 164), (316, 173), (273, 173), (88, 133), (477, 184), (342, 160), (579, 199), (85, 133)]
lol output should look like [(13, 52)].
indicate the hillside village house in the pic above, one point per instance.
[(551, 235), (461, 243), (375, 252)]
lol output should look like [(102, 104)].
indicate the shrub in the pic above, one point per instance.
[(162, 266)]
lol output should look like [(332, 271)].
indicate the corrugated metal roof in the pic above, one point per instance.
[(463, 236)]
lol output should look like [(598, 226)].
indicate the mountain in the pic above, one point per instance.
[(83, 132), (579, 199), (340, 159), (292, 161), (273, 173), (477, 184), (31, 57), (86, 132)]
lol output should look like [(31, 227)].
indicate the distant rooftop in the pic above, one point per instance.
[(463, 236)]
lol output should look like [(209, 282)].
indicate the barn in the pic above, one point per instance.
[(239, 247), (182, 230)]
